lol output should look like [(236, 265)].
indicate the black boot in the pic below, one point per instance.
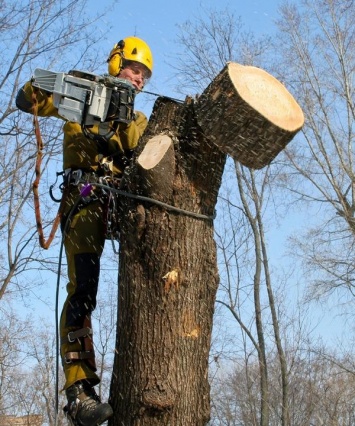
[(84, 406)]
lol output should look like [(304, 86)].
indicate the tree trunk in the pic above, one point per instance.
[(249, 114), (168, 270), (168, 274)]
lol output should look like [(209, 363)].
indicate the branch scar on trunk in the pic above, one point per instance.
[(172, 279)]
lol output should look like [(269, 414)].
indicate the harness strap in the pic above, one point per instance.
[(42, 241), (70, 357), (77, 334)]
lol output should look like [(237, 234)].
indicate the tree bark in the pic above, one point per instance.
[(168, 274), (168, 270), (248, 114)]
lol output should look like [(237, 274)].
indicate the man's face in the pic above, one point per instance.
[(136, 73)]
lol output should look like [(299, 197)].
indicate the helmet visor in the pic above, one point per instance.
[(137, 68)]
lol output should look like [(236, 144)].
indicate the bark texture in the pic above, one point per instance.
[(168, 275), (168, 270), (249, 114)]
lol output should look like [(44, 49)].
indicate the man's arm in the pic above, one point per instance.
[(130, 135), (25, 99)]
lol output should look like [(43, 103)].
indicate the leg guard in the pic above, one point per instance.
[(82, 337), (78, 356)]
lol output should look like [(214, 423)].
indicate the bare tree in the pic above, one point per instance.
[(317, 59), (321, 391), (209, 41), (27, 365), (29, 381), (208, 44), (34, 34), (12, 334)]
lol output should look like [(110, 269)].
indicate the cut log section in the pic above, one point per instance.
[(156, 164), (248, 114)]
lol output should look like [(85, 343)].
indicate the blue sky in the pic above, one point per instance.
[(157, 23)]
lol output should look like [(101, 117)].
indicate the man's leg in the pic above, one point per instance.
[(84, 241), (75, 329)]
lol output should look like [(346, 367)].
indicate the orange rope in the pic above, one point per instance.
[(35, 186)]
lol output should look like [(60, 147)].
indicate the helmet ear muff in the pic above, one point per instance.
[(115, 63), (115, 60)]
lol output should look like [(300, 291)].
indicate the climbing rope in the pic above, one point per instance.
[(156, 202), (35, 186)]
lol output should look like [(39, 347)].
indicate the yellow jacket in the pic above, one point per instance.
[(80, 152)]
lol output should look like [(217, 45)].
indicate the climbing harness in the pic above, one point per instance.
[(112, 186)]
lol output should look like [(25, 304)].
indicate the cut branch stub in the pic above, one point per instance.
[(156, 164), (248, 114)]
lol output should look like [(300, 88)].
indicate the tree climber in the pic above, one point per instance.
[(90, 157)]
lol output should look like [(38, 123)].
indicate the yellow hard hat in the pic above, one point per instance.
[(130, 49)]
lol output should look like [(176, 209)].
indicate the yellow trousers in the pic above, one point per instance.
[(84, 238)]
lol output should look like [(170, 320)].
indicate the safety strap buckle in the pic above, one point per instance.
[(73, 177), (77, 334)]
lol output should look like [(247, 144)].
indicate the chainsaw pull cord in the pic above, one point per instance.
[(35, 186)]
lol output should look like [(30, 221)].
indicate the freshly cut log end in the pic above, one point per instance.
[(156, 164), (154, 151), (266, 95), (249, 114)]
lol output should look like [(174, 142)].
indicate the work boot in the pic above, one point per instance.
[(84, 407)]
